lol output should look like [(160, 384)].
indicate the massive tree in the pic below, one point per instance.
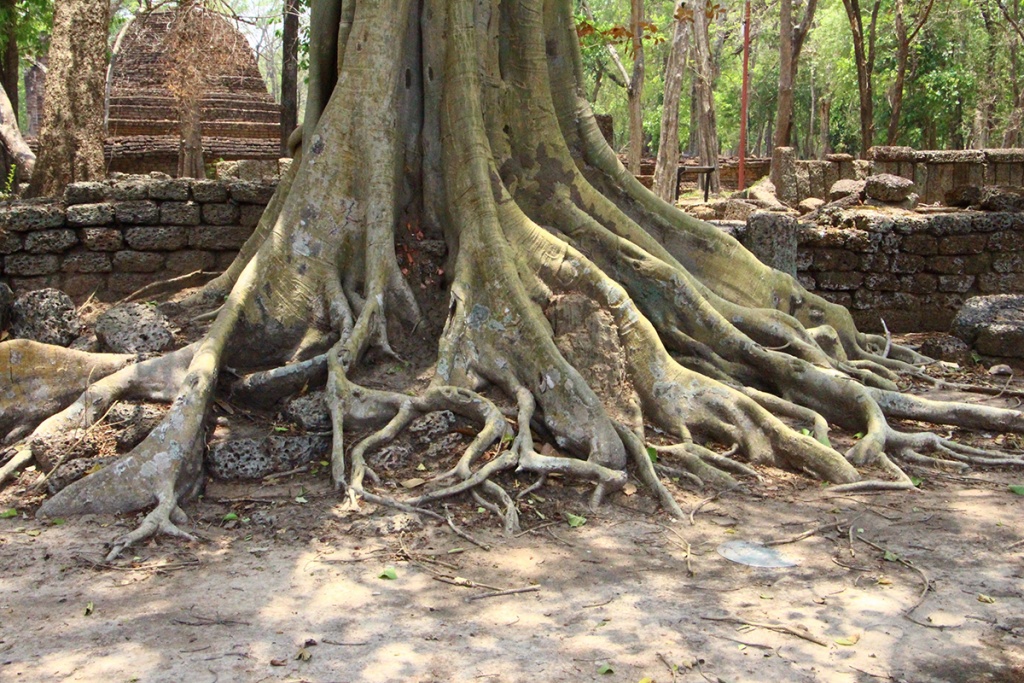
[(579, 306)]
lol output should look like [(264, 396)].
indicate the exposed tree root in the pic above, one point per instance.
[(602, 314)]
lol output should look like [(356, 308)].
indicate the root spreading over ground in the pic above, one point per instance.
[(597, 313)]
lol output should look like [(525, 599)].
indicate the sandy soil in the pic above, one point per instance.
[(292, 590)]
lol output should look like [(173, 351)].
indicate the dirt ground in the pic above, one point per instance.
[(286, 587)]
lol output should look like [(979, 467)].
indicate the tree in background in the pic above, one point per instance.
[(791, 42), (706, 129), (864, 53), (905, 35), (289, 72), (72, 133), (666, 167)]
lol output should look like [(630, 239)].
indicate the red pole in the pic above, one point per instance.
[(743, 97)]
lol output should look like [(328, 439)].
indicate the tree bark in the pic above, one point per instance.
[(72, 132), (13, 142), (903, 40), (636, 88), (666, 168), (704, 98), (864, 56), (9, 61), (289, 73), (791, 41)]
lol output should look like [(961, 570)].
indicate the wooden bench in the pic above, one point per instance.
[(706, 171)]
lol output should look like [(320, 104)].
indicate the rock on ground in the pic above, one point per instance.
[(887, 187), (946, 347), (993, 325), (47, 316), (134, 328), (845, 188)]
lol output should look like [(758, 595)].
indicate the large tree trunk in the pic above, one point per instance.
[(562, 298), (904, 37), (704, 96), (72, 133), (9, 61), (784, 119), (14, 144), (289, 73), (666, 168)]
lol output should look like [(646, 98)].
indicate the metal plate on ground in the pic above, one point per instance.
[(753, 554)]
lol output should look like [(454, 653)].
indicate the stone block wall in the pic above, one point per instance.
[(111, 238), (934, 172), (913, 271)]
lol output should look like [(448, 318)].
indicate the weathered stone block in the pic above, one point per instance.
[(209, 191), (30, 284), (963, 244), (888, 187), (224, 260), (138, 261), (10, 242), (959, 284), (169, 190), (122, 284), (835, 260), (50, 241), (908, 263), (921, 244), (217, 237), (839, 280), (871, 299), (950, 224), (845, 188), (101, 239), (156, 238), (247, 192), (997, 283), (921, 283), (892, 153), (87, 262), (874, 262), (250, 214), (220, 214), (81, 285), (30, 265), (1012, 262), (1006, 241), (139, 212), (182, 262), (841, 298), (29, 216), (85, 193), (883, 282), (82, 215), (179, 213), (129, 190)]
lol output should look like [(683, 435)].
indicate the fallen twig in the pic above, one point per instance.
[(463, 582), (511, 591), (799, 632), (325, 641), (715, 497), (908, 614), (805, 534)]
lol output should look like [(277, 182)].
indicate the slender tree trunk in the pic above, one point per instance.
[(636, 89), (903, 41), (9, 58), (289, 73), (666, 169), (864, 55), (14, 144), (703, 77), (190, 152), (784, 122), (71, 137), (824, 125)]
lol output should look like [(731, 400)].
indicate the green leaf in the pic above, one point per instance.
[(280, 429), (389, 573), (230, 517), (805, 431), (575, 520), (301, 499), (8, 514), (89, 608), (916, 481), (848, 641), (605, 669), (57, 521), (1016, 488), (324, 463), (652, 454), (859, 435), (890, 556)]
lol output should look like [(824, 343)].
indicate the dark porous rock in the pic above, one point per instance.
[(946, 347), (220, 214), (37, 214), (84, 215), (810, 204), (102, 239), (6, 300), (138, 212), (45, 315), (138, 261), (87, 262), (85, 193), (169, 189), (772, 237), (134, 328), (31, 265), (218, 237), (886, 187), (310, 412), (209, 191), (908, 204), (993, 325), (432, 425), (248, 192), (73, 470), (10, 242), (50, 241), (846, 188), (987, 198), (253, 458), (128, 189), (180, 213), (156, 238), (133, 422)]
